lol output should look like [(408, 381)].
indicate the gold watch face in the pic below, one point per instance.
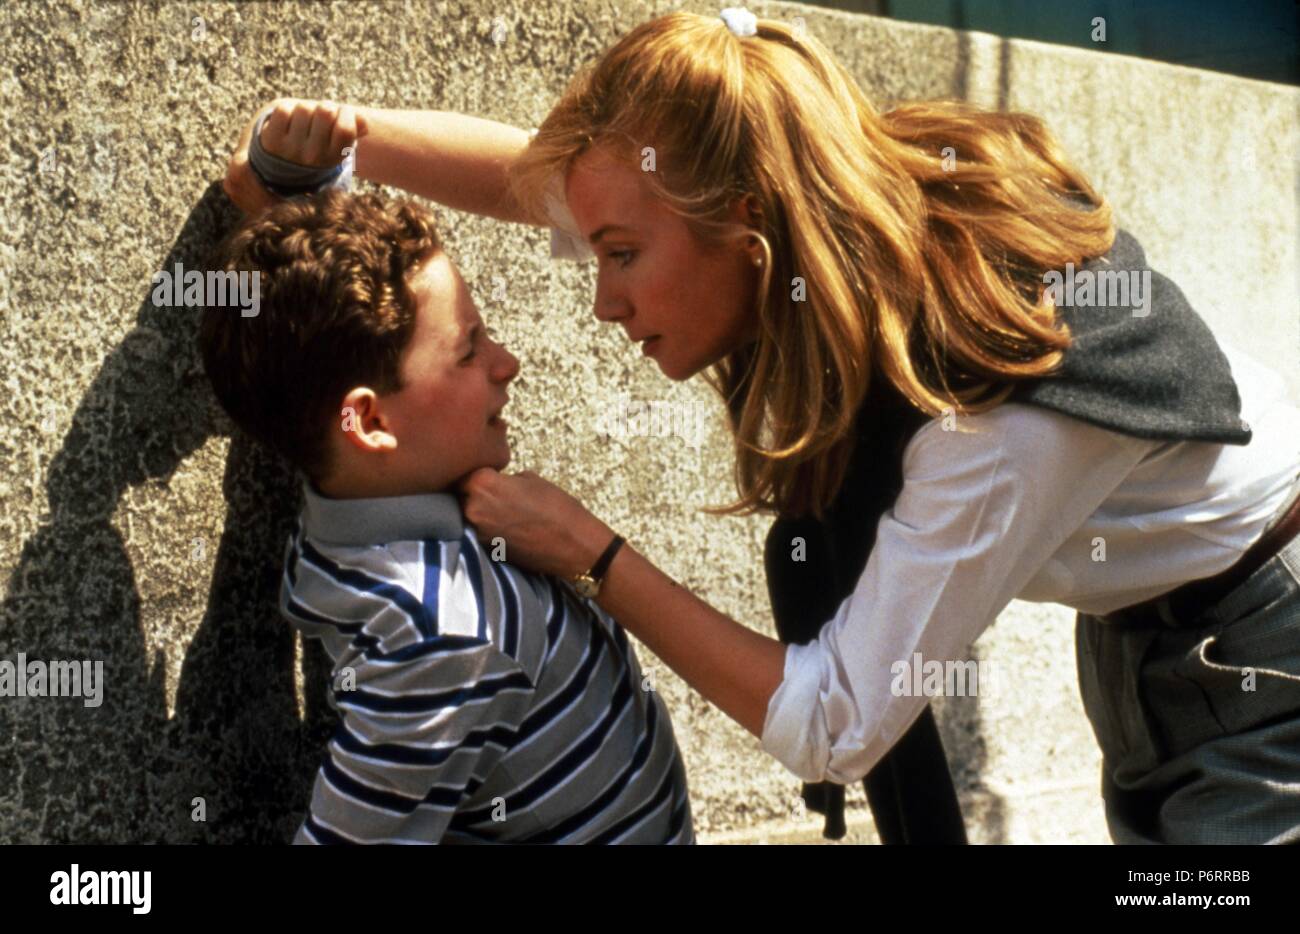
[(586, 586)]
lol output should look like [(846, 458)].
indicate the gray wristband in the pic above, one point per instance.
[(288, 179)]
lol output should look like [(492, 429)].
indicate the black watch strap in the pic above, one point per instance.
[(598, 569)]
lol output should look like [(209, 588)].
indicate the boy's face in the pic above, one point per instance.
[(444, 419)]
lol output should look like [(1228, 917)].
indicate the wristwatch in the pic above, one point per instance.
[(588, 585)]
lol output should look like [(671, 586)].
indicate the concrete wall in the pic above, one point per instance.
[(134, 530)]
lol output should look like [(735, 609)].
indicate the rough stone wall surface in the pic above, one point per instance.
[(136, 531)]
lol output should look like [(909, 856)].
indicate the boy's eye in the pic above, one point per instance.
[(480, 332)]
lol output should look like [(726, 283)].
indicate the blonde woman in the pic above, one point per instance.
[(939, 387)]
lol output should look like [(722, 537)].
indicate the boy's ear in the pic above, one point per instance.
[(363, 423)]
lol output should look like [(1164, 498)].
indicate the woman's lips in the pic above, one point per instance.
[(649, 344)]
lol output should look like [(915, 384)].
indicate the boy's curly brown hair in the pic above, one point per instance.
[(336, 312)]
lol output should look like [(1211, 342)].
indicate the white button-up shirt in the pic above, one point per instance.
[(1033, 505)]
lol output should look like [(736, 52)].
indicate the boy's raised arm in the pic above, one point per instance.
[(454, 159)]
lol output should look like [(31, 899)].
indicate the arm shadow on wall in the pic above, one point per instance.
[(124, 771)]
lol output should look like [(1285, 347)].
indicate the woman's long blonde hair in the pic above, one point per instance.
[(918, 236)]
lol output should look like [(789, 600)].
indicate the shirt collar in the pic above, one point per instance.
[(379, 520)]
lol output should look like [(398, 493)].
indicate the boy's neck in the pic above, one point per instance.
[(370, 488)]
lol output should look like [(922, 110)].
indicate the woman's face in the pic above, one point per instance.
[(686, 306)]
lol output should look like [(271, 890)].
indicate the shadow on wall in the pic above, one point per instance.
[(123, 771)]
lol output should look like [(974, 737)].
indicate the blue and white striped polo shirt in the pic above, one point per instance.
[(479, 703)]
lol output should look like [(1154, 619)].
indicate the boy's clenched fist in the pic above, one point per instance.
[(311, 133)]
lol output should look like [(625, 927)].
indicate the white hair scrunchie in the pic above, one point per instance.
[(740, 21)]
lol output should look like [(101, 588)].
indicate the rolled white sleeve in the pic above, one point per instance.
[(978, 515), (565, 245), (566, 239)]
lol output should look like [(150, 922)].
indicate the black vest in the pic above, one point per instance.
[(1158, 375)]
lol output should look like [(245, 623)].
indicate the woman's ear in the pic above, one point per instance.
[(748, 211)]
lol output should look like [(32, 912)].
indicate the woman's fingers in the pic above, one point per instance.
[(478, 480), (536, 519), (496, 506), (495, 497)]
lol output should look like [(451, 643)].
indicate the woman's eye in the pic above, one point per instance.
[(623, 253)]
